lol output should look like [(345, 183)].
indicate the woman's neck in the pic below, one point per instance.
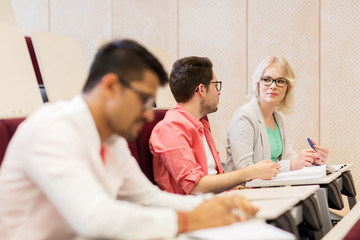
[(267, 110)]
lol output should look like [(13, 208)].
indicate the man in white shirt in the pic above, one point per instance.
[(68, 172)]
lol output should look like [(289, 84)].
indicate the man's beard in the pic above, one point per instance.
[(129, 135), (207, 108)]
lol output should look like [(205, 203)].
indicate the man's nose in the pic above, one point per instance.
[(148, 115)]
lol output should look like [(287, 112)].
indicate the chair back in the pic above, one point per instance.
[(7, 130), (140, 147)]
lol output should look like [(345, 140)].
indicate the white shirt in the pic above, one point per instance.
[(209, 158), (53, 184)]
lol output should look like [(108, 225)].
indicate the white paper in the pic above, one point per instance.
[(306, 173), (251, 230)]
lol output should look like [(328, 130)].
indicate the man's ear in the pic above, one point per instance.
[(202, 89), (110, 85)]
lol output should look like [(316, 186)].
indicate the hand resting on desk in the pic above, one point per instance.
[(216, 212), (266, 169)]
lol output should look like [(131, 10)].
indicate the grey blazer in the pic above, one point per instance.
[(248, 141)]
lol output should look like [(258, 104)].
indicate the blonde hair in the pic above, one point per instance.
[(288, 103)]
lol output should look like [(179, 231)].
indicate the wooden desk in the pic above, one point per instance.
[(270, 206), (270, 209), (276, 194), (298, 192), (252, 229), (321, 194)]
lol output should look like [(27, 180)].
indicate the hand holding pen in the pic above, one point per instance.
[(321, 151), (265, 169), (308, 156)]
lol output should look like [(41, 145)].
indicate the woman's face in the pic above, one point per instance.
[(272, 94)]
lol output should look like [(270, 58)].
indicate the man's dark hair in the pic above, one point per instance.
[(127, 59), (186, 75)]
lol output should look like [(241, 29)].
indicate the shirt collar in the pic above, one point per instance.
[(199, 124)]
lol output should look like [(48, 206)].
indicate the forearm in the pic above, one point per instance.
[(222, 182), (152, 196)]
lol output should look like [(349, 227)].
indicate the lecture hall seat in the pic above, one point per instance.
[(140, 147), (7, 130), (354, 233)]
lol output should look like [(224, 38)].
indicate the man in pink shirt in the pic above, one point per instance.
[(185, 157)]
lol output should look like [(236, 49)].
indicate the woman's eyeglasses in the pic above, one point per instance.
[(280, 82)]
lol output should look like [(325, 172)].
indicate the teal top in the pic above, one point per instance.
[(276, 144)]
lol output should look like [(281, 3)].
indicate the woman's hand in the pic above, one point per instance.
[(304, 159), (324, 152), (309, 156), (266, 169)]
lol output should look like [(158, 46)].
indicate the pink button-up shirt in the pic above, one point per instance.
[(179, 154)]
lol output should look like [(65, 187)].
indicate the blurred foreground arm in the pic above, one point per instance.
[(216, 212)]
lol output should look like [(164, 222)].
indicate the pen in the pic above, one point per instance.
[(205, 196), (238, 213), (278, 159), (311, 144)]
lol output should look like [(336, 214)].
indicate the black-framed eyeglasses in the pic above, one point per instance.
[(147, 100), (280, 82), (218, 85)]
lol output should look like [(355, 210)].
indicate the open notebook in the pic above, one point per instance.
[(334, 168)]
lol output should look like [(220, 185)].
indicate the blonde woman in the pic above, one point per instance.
[(256, 131)]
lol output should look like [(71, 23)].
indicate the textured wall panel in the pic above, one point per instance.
[(340, 64), (19, 91), (154, 24), (217, 29), (31, 15), (88, 20), (290, 29), (61, 63), (7, 15)]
